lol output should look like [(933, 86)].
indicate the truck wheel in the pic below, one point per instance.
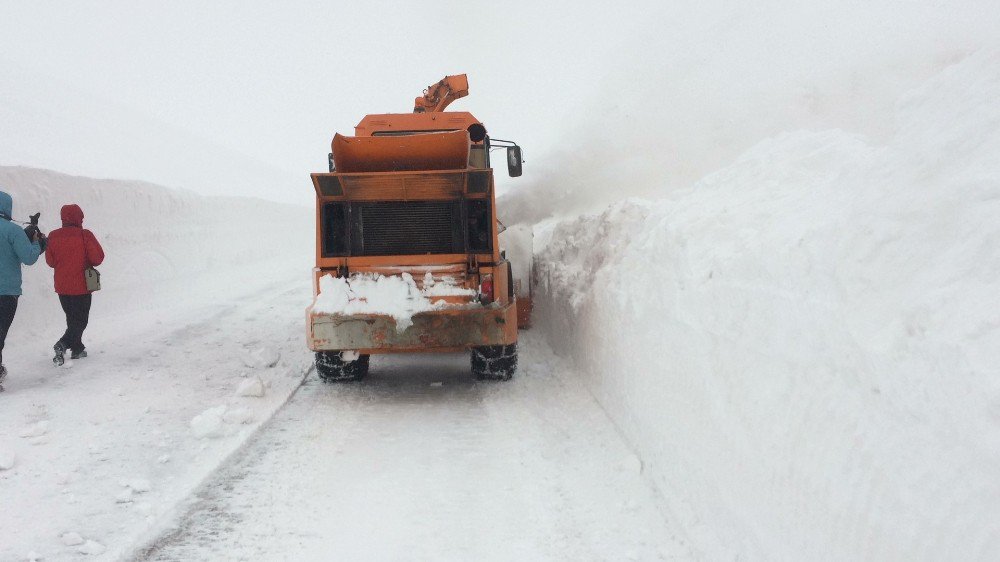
[(331, 368), (494, 362)]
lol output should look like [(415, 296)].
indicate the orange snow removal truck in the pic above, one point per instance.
[(407, 215)]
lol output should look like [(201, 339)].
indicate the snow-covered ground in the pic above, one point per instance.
[(420, 462), (804, 347), (201, 311), (149, 448)]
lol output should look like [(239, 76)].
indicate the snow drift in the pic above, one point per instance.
[(803, 347), (696, 84), (156, 239), (195, 340)]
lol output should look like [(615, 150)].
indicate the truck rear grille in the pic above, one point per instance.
[(408, 228)]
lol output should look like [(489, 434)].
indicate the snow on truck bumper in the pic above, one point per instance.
[(439, 330)]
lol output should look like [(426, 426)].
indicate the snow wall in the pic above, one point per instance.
[(165, 247), (804, 347)]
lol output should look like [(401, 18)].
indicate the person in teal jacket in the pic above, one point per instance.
[(15, 249)]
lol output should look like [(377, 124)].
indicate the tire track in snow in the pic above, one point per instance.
[(420, 462)]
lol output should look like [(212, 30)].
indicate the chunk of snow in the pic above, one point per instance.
[(391, 295), (348, 356), (36, 429), (262, 358), (71, 539), (251, 387), (92, 548), (125, 496), (238, 416), (209, 423), (445, 287)]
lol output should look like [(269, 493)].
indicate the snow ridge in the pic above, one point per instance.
[(803, 346)]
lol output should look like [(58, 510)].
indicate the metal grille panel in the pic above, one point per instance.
[(410, 228)]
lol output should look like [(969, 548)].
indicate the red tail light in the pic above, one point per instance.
[(486, 289)]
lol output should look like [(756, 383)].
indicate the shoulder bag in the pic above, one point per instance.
[(90, 274)]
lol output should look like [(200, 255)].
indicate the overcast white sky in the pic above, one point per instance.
[(275, 80)]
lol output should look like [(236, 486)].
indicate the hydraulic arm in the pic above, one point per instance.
[(438, 96)]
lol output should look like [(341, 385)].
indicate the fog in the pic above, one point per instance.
[(702, 85), (607, 100)]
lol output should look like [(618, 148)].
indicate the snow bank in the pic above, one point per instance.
[(392, 295), (154, 237), (803, 347)]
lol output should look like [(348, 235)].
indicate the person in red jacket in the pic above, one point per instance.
[(71, 250)]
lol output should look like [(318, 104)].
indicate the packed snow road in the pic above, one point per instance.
[(420, 462), (95, 455)]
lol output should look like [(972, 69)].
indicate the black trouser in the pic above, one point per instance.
[(77, 309), (8, 306)]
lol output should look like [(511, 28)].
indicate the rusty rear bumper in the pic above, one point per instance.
[(444, 330)]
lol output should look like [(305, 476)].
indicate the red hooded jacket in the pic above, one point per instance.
[(72, 249)]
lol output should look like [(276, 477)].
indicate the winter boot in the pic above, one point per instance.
[(60, 357), (3, 375), (78, 354)]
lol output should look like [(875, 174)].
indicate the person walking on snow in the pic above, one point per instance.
[(71, 250), (17, 247)]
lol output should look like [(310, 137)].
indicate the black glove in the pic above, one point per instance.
[(35, 235)]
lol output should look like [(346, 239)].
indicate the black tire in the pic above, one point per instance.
[(331, 368), (494, 362)]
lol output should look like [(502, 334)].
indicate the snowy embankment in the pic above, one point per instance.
[(154, 237), (804, 347), (195, 340)]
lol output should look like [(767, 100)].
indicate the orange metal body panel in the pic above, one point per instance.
[(404, 186), (447, 150), (397, 186), (389, 123), (438, 331)]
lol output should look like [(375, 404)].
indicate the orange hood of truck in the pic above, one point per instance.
[(446, 150)]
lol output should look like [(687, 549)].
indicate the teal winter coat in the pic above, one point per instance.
[(15, 249)]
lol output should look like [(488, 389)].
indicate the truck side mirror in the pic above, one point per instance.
[(514, 161)]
